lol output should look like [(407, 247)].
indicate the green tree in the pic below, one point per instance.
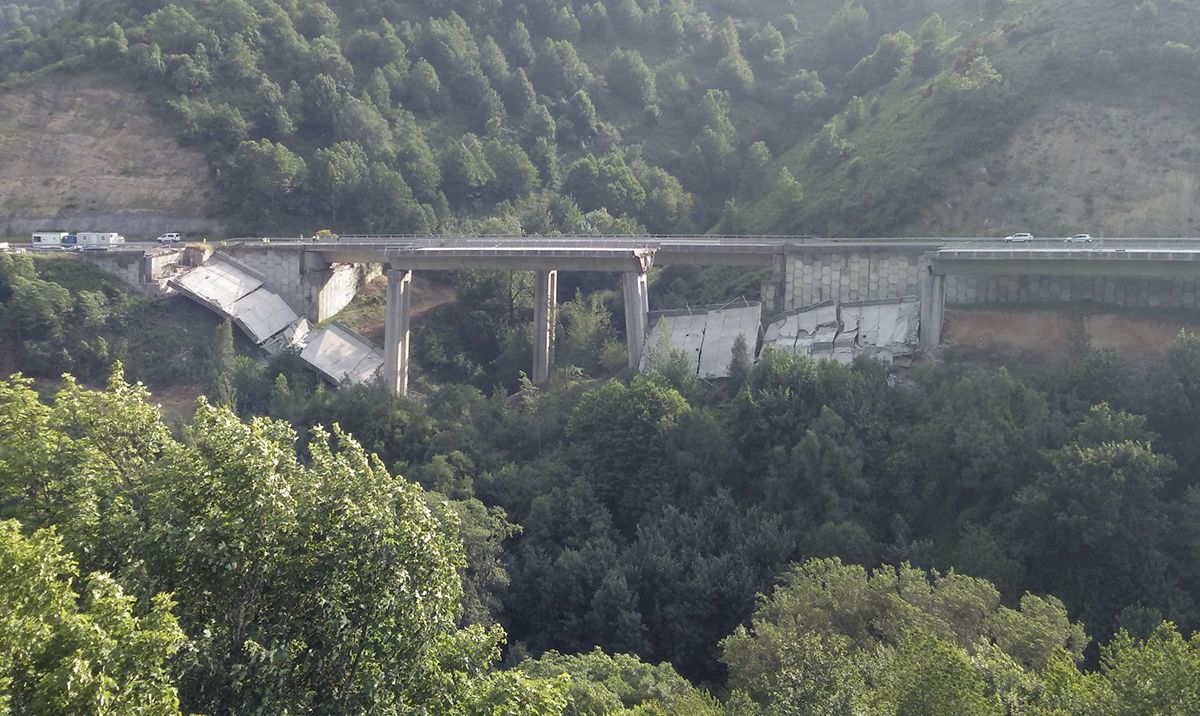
[(604, 684), (607, 182), (220, 366), (337, 175), (735, 74), (893, 56), (630, 78), (558, 71), (327, 581), (667, 203), (1091, 527), (620, 466), (263, 172), (767, 48), (68, 652), (515, 174), (914, 633), (465, 170), (579, 118)]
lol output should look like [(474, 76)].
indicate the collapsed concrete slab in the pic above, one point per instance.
[(238, 292), (882, 329), (706, 337), (220, 282), (338, 353), (262, 314)]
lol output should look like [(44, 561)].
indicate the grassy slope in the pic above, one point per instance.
[(911, 141)]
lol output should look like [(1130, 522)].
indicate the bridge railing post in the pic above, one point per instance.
[(637, 310), (545, 318), (395, 331)]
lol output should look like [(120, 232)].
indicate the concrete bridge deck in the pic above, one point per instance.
[(318, 276)]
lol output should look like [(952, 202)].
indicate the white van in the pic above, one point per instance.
[(170, 238)]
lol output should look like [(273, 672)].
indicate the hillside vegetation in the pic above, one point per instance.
[(825, 116)]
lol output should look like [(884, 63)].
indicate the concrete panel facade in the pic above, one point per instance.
[(877, 274), (851, 275), (1142, 292)]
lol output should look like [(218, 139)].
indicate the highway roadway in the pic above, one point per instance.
[(746, 243)]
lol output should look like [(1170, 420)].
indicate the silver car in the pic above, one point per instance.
[(1079, 239), (1019, 238)]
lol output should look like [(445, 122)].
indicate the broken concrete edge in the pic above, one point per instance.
[(221, 255)]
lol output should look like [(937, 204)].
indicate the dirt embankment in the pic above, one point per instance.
[(367, 313), (1080, 166), (85, 152), (1049, 334)]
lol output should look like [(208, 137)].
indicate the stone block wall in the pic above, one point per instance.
[(851, 275), (282, 270), (1138, 292)]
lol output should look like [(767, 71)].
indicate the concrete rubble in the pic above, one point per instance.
[(884, 329), (238, 292), (705, 336), (339, 353)]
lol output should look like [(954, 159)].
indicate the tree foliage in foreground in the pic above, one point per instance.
[(85, 651), (322, 585), (837, 639)]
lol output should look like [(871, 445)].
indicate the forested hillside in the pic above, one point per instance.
[(806, 537), (823, 116)]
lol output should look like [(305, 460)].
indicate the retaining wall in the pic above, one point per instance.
[(143, 272), (1138, 292), (857, 275), (873, 274)]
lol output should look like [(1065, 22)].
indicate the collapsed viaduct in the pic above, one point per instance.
[(320, 278)]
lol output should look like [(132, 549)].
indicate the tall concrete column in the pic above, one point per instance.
[(933, 306), (395, 331), (545, 317), (637, 309)]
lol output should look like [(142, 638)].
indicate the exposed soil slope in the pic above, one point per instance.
[(1079, 166), (85, 152), (1049, 334)]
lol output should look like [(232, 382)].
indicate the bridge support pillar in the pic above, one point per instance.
[(637, 309), (545, 318), (395, 331), (933, 306)]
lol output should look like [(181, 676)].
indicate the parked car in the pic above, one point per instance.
[(1079, 239), (1019, 238), (169, 238)]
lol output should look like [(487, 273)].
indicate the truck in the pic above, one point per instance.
[(98, 239)]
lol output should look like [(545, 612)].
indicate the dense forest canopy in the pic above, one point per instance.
[(605, 116)]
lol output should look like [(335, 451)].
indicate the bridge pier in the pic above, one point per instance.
[(933, 306), (545, 318), (637, 312), (395, 331)]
